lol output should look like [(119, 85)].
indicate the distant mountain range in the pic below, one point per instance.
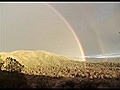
[(109, 55)]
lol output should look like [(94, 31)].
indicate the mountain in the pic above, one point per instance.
[(39, 59), (41, 69), (107, 55)]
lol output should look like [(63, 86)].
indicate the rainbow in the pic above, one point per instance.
[(94, 28), (73, 32)]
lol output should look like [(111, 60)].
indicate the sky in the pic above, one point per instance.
[(96, 25), (38, 27)]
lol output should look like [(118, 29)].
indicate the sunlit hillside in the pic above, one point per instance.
[(41, 69), (35, 60)]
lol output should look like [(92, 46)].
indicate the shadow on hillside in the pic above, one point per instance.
[(19, 80)]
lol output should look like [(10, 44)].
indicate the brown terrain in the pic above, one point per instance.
[(41, 69)]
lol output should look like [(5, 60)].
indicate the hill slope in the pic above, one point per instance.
[(36, 60), (41, 69)]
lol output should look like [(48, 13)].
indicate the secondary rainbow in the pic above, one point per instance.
[(94, 28)]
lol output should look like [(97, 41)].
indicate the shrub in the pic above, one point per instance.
[(1, 61), (11, 65)]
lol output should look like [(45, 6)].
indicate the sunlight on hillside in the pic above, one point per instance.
[(41, 69)]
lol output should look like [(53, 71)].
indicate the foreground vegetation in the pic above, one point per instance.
[(59, 73)]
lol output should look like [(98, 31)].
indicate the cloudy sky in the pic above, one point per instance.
[(43, 26)]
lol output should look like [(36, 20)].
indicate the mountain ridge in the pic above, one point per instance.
[(39, 58)]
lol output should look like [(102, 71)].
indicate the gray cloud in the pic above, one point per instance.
[(36, 26), (96, 24)]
